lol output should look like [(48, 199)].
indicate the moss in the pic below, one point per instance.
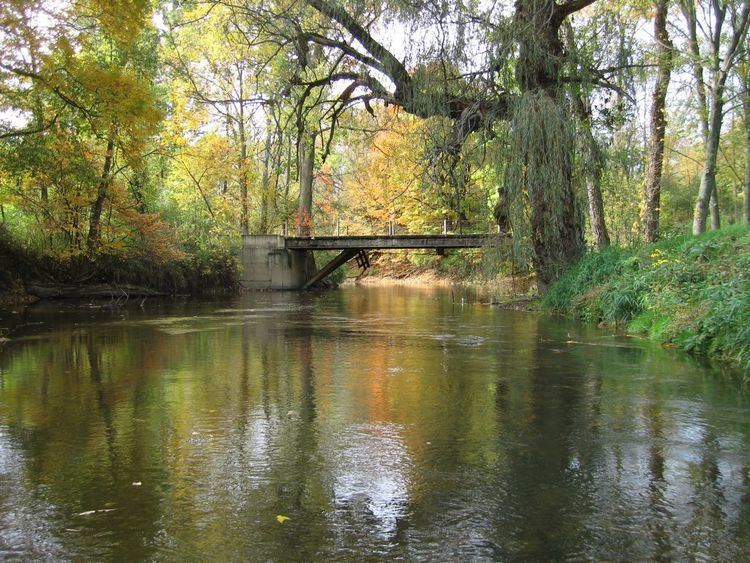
[(692, 292)]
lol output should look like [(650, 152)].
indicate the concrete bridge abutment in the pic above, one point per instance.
[(268, 264)]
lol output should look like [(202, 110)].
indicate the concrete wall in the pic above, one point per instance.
[(267, 264)]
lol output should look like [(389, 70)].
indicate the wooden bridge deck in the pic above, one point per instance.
[(388, 242)]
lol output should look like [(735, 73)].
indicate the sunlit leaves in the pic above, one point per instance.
[(121, 20)]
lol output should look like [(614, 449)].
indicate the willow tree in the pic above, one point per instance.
[(517, 77)]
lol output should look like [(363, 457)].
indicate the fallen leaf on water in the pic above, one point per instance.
[(281, 518), (137, 483)]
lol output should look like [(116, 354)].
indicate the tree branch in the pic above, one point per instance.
[(571, 6), (390, 65), (31, 131)]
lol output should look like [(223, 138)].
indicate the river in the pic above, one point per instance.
[(365, 423)]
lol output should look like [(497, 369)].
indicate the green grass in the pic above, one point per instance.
[(693, 292)]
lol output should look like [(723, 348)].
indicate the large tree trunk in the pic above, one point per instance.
[(593, 159), (713, 208), (556, 222), (97, 206), (596, 211), (593, 169), (688, 10), (746, 107), (306, 166), (723, 55), (654, 167)]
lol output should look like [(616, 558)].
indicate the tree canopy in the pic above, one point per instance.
[(158, 128)]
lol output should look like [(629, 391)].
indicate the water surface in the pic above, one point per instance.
[(384, 423)]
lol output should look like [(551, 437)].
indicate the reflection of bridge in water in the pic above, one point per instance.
[(277, 262)]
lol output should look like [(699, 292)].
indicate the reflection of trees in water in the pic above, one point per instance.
[(549, 442), (706, 528), (93, 353), (659, 520), (373, 434)]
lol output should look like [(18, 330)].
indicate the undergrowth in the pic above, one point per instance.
[(693, 292), (200, 271)]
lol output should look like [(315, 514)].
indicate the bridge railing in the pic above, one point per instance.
[(341, 228)]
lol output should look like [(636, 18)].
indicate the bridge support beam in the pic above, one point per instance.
[(329, 268), (268, 264)]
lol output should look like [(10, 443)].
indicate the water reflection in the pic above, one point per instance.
[(383, 423)]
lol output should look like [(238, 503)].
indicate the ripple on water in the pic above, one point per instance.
[(343, 415)]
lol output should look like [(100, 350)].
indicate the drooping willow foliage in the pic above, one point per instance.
[(543, 199)]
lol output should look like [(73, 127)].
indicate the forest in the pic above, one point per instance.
[(140, 138)]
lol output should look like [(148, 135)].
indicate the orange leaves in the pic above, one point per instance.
[(386, 184), (150, 237), (303, 223)]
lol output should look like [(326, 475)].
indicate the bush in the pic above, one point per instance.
[(198, 272)]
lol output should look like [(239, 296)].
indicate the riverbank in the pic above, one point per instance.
[(687, 292), (516, 292), (27, 276)]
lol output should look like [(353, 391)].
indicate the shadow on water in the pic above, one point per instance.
[(374, 423)]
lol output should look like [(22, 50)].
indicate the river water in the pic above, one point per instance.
[(365, 423)]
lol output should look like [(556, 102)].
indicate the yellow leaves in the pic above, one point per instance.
[(186, 117), (122, 20), (120, 96), (387, 184), (281, 518)]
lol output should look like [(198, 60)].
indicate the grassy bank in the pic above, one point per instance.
[(692, 292), (197, 272)]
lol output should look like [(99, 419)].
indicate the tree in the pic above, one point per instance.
[(220, 71), (722, 55), (658, 124), (363, 70), (83, 76)]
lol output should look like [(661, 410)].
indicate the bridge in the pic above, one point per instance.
[(278, 262)]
